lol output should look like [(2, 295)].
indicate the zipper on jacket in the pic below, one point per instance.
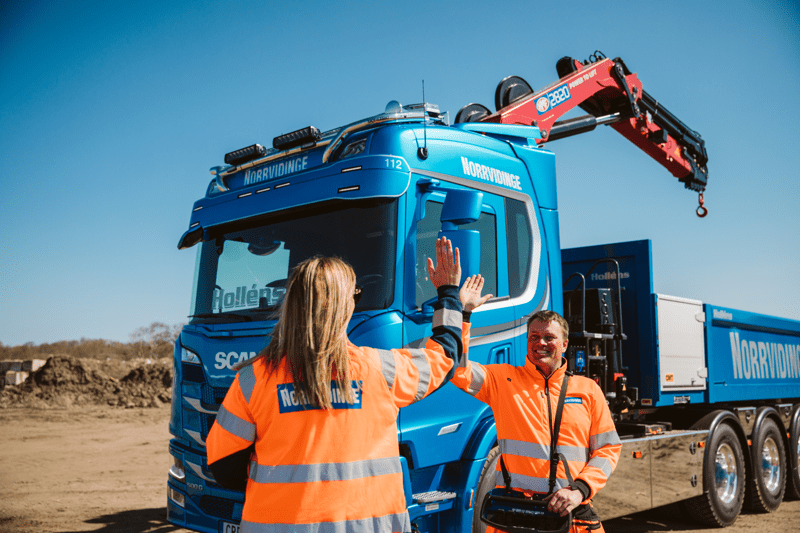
[(549, 408)]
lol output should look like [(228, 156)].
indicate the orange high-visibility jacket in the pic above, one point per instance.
[(518, 397), (333, 470)]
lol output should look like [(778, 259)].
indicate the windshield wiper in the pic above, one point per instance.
[(223, 315)]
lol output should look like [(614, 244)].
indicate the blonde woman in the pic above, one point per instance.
[(309, 427)]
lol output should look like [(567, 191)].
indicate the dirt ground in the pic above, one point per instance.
[(105, 469)]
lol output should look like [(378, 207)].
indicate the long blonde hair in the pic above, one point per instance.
[(311, 332)]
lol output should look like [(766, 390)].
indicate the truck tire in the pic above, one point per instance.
[(768, 483), (793, 479), (485, 484), (723, 480)]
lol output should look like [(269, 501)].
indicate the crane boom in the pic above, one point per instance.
[(612, 95)]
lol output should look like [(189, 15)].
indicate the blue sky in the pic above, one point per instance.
[(111, 115)]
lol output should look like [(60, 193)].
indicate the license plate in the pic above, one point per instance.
[(228, 527)]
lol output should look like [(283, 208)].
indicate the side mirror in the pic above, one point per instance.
[(463, 207), (190, 238)]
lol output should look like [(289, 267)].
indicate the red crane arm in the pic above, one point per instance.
[(612, 95)]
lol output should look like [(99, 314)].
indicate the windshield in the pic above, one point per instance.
[(242, 273)]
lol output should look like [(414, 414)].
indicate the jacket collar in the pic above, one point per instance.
[(558, 373)]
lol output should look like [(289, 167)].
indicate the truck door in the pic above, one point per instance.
[(444, 420)]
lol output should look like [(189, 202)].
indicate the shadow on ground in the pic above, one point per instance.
[(667, 518), (136, 521)]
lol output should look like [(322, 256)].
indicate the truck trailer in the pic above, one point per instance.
[(706, 399)]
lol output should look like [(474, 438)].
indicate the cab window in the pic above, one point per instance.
[(518, 240)]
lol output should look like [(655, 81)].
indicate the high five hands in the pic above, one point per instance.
[(448, 264), (470, 293)]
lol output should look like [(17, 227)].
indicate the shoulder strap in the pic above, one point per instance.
[(506, 476), (554, 455)]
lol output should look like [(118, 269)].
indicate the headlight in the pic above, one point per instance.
[(188, 356), (176, 470), (176, 496)]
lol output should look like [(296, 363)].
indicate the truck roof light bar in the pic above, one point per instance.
[(243, 155), (300, 137), (332, 138)]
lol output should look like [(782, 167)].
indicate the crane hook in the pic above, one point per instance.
[(701, 211)]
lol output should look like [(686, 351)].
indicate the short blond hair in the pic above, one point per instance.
[(550, 316)]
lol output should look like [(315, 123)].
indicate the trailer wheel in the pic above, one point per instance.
[(769, 468), (723, 480), (793, 479), (485, 484)]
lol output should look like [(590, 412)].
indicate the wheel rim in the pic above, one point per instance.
[(726, 478), (798, 450), (770, 465)]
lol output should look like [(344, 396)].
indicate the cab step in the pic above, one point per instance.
[(433, 496)]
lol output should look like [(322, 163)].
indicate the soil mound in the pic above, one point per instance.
[(67, 373), (66, 381)]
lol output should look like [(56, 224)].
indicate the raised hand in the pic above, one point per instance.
[(470, 293), (448, 264)]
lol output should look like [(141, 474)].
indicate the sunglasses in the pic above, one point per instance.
[(357, 294)]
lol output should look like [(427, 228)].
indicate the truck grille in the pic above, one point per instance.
[(218, 507), (212, 395)]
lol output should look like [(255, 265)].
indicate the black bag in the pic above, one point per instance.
[(510, 510), (516, 513)]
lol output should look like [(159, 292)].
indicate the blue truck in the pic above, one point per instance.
[(706, 399)]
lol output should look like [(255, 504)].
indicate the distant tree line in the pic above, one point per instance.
[(154, 341)]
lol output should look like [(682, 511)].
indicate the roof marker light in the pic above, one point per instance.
[(245, 194), (296, 138), (282, 185), (265, 189), (348, 189), (195, 224), (351, 169), (198, 208), (244, 155)]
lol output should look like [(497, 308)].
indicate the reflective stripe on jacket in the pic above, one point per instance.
[(518, 397), (334, 470)]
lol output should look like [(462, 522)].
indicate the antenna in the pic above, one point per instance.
[(423, 151)]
